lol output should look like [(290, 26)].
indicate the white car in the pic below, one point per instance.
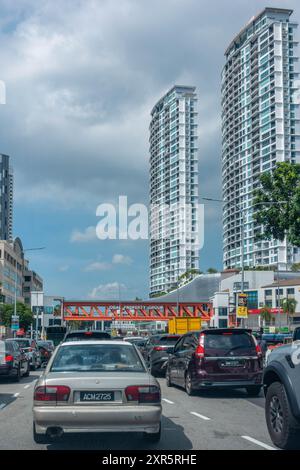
[(96, 386)]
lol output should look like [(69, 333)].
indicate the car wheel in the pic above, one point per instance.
[(188, 384), (282, 427), (153, 437), (168, 378), (39, 438), (27, 370), (153, 371), (17, 377), (254, 390)]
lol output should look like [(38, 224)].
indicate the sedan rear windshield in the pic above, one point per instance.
[(229, 343), (23, 343), (97, 357)]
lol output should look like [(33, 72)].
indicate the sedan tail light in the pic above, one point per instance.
[(159, 348), (143, 393), (52, 393), (9, 358)]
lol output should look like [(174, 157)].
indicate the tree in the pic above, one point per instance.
[(212, 270), (158, 294), (295, 267), (24, 312), (188, 276), (289, 307), (277, 203), (265, 314)]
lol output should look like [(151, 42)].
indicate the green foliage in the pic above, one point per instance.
[(24, 312), (212, 270), (278, 203), (295, 267), (266, 314), (158, 294)]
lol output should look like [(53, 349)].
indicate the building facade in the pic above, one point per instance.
[(6, 199), (260, 127), (32, 283), (11, 271), (173, 188)]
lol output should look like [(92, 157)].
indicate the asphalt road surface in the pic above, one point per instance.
[(210, 420)]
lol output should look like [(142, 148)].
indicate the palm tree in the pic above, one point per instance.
[(289, 307), (265, 315)]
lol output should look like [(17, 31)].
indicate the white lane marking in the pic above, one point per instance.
[(259, 443), (26, 386), (199, 416), (16, 395), (168, 401), (2, 405)]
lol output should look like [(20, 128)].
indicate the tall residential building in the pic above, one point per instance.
[(6, 199), (173, 188), (260, 126)]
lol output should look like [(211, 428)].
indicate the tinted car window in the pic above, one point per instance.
[(228, 343), (24, 343), (9, 346), (169, 339), (97, 357)]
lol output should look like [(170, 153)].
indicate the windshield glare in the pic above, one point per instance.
[(97, 357)]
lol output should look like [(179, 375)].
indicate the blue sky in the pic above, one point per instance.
[(81, 79)]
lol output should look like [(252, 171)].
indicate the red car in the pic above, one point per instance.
[(216, 358)]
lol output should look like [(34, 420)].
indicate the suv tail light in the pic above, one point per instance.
[(143, 393), (200, 351), (52, 393), (9, 358), (258, 350)]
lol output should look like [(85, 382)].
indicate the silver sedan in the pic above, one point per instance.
[(96, 386)]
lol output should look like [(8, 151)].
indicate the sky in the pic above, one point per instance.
[(81, 78)]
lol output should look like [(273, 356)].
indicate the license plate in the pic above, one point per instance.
[(97, 396), (233, 363)]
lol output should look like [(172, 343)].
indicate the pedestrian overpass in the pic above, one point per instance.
[(135, 310)]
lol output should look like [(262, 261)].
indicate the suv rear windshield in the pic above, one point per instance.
[(86, 335), (169, 339), (97, 357), (239, 343)]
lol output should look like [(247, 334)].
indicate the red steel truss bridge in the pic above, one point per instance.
[(134, 310)]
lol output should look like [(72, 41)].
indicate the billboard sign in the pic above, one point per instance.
[(242, 310)]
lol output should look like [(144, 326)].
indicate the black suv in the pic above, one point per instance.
[(282, 390)]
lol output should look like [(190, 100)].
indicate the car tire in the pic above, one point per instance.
[(253, 390), (168, 379), (27, 370), (17, 377), (188, 384), (153, 437), (38, 438), (153, 371), (283, 428)]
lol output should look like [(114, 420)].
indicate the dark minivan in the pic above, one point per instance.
[(217, 357)]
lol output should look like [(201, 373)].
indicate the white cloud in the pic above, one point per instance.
[(97, 266), (87, 235), (64, 268), (110, 290), (121, 259)]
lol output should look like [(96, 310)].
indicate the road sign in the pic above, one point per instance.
[(242, 310), (15, 322)]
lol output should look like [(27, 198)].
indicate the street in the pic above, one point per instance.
[(210, 420)]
